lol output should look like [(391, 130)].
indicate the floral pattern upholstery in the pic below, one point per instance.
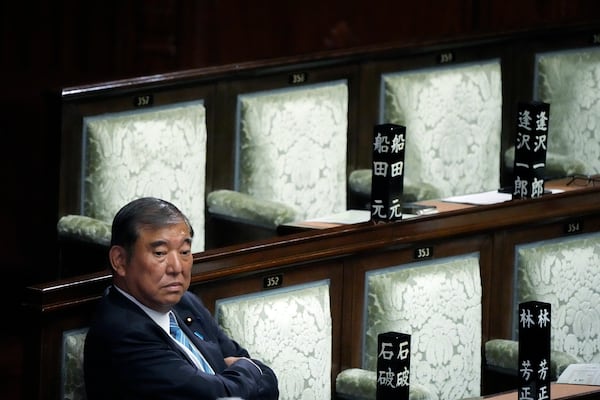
[(292, 147), (73, 385), (290, 329), (566, 274), (453, 119), (236, 205), (570, 82), (439, 305), (360, 183), (503, 355), (361, 384), (85, 229), (159, 152)]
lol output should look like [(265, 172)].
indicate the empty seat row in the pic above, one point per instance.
[(292, 152)]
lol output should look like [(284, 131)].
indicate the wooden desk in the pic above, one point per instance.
[(441, 205), (333, 221), (558, 391)]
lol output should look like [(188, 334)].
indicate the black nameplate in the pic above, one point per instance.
[(534, 350), (423, 252), (146, 100), (297, 78), (387, 178), (446, 57), (272, 281), (572, 227), (393, 366)]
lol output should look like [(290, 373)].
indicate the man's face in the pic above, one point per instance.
[(159, 270)]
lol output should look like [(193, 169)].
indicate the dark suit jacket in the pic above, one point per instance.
[(128, 356)]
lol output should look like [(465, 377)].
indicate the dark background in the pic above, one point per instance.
[(48, 45)]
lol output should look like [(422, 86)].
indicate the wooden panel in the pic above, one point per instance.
[(343, 254)]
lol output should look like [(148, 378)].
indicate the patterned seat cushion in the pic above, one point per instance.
[(439, 305), (565, 274), (159, 152), (570, 82), (292, 147), (453, 119), (290, 329), (73, 385)]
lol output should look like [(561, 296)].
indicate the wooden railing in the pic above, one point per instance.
[(339, 254)]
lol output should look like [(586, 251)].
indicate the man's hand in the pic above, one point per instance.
[(232, 360)]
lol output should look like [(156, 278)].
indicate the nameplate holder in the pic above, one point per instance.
[(393, 366), (534, 350), (387, 179), (530, 149)]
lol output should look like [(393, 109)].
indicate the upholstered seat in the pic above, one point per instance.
[(453, 119), (360, 181), (569, 82), (290, 329), (358, 384), (439, 303), (157, 152), (291, 156), (565, 274), (72, 380)]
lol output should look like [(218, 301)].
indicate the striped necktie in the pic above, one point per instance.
[(182, 338)]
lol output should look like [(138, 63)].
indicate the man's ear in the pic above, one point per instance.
[(118, 259)]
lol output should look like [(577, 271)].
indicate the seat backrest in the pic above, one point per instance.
[(570, 82), (72, 380), (157, 152), (566, 274), (453, 119), (292, 147), (438, 303), (290, 329)]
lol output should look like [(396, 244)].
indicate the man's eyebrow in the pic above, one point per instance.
[(161, 242), (158, 243)]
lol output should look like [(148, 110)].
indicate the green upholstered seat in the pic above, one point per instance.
[(502, 355), (358, 384), (290, 329), (72, 382), (566, 274), (291, 155), (360, 180), (569, 81), (157, 152), (438, 303), (453, 119)]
